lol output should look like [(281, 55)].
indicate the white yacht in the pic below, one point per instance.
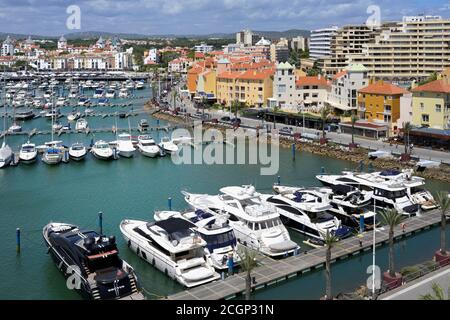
[(125, 145), (172, 247), (221, 243), (74, 116), (168, 146), (28, 153), (61, 102), (148, 147), (99, 93), (256, 223), (81, 125), (384, 192), (6, 155), (77, 151), (83, 101), (15, 128), (308, 214), (101, 150), (110, 93), (123, 93)]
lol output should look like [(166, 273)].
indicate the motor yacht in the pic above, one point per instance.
[(171, 246), (73, 116), (168, 146), (94, 259), (148, 147), (255, 222), (81, 125), (221, 243), (125, 145)]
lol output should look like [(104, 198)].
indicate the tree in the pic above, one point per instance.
[(406, 130), (324, 115), (438, 293), (391, 218), (444, 204), (330, 241), (248, 263), (353, 119)]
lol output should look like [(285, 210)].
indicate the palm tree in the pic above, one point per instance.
[(175, 94), (248, 263), (353, 120), (391, 218), (406, 130), (330, 241), (438, 293), (324, 115), (444, 204)]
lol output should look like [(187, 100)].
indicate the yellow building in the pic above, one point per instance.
[(431, 104), (251, 87), (206, 83), (380, 102)]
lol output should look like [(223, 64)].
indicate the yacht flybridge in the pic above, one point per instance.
[(221, 243), (172, 247), (384, 191), (256, 223), (95, 260)]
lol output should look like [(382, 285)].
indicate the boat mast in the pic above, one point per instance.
[(5, 113)]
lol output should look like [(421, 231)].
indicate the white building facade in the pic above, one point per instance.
[(320, 42)]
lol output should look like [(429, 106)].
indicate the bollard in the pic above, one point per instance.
[(222, 275), (18, 240), (157, 122), (322, 170), (361, 223), (293, 151), (279, 180), (169, 203), (100, 222)]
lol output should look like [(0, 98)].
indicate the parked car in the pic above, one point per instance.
[(225, 119), (236, 121), (285, 131)]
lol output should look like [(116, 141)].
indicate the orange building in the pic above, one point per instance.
[(380, 102)]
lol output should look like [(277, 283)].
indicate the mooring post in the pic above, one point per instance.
[(100, 221), (322, 170), (361, 223), (18, 240), (169, 203), (279, 180), (293, 151)]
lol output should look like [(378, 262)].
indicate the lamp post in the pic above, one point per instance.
[(373, 249)]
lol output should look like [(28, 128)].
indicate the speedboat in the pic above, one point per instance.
[(94, 259), (125, 145), (171, 246), (98, 93), (168, 146), (15, 128), (6, 155), (221, 243), (83, 101), (123, 93), (28, 153), (54, 113), (81, 125), (77, 151), (139, 85), (255, 222), (61, 101), (148, 147), (57, 126), (110, 93), (143, 125), (101, 150), (88, 111), (73, 116), (24, 115), (103, 101)]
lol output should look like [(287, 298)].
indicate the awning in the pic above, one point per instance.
[(339, 106)]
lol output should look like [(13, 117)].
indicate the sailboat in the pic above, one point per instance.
[(53, 154), (6, 153)]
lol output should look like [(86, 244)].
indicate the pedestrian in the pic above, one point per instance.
[(230, 263)]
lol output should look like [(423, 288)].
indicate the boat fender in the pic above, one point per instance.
[(138, 250), (165, 271), (129, 243), (153, 261)]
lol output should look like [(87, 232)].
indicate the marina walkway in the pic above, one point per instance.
[(275, 271)]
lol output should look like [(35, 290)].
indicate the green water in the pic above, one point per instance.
[(31, 196)]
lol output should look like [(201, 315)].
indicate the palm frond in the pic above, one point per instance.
[(443, 201), (391, 217), (248, 258)]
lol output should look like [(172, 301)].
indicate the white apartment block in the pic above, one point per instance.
[(152, 56), (7, 47), (180, 65), (411, 50), (320, 42), (300, 43), (203, 48), (246, 37), (284, 87), (343, 95)]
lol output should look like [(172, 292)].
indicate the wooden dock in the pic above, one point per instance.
[(271, 271)]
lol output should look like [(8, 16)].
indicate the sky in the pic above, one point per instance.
[(153, 17)]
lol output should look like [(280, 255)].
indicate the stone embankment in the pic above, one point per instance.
[(331, 150)]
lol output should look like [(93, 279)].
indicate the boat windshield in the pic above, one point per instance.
[(77, 147), (148, 144), (104, 261), (102, 146), (28, 148), (390, 194), (221, 240)]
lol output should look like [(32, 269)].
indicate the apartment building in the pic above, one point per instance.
[(203, 48), (312, 92), (379, 102), (320, 42), (279, 52), (343, 94), (180, 65), (411, 50), (247, 38), (251, 87), (7, 47), (299, 43), (346, 42), (431, 105)]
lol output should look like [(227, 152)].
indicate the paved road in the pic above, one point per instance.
[(376, 145), (415, 289)]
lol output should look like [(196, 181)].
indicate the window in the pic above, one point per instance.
[(422, 107), (438, 108), (425, 118)]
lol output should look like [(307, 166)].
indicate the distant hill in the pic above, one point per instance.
[(96, 34)]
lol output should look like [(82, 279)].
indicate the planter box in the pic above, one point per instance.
[(442, 259), (392, 282)]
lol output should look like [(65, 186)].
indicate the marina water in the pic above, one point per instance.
[(31, 196)]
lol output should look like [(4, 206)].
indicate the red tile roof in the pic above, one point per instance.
[(383, 88), (339, 74), (311, 81), (435, 86)]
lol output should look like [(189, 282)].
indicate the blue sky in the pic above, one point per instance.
[(48, 17)]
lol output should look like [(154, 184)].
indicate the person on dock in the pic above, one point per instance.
[(230, 263)]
